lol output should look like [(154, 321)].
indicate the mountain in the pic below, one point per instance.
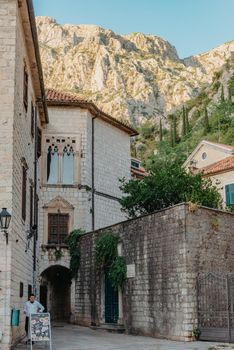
[(135, 77), (209, 116)]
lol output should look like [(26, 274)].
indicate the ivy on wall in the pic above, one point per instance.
[(107, 258), (74, 250)]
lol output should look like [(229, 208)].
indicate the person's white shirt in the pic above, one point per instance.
[(32, 307)]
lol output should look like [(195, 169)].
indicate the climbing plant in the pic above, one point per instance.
[(58, 253), (118, 272), (107, 258), (74, 250)]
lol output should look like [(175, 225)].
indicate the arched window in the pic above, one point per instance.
[(52, 165), (68, 165)]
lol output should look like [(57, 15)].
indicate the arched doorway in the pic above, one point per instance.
[(55, 292)]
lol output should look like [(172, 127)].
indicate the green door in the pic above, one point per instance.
[(111, 302)]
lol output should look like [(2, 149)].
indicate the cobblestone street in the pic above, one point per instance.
[(69, 337)]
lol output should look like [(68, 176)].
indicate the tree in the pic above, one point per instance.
[(206, 122), (160, 131), (184, 131), (222, 98), (174, 133), (187, 127), (172, 139), (168, 184)]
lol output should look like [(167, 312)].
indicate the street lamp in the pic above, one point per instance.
[(5, 219)]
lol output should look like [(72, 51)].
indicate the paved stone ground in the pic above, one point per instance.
[(69, 337)]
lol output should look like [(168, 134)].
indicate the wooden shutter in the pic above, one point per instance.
[(32, 119), (29, 290), (57, 228), (31, 206), (25, 88), (24, 191), (38, 142)]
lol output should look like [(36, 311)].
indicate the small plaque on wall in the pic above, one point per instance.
[(131, 271)]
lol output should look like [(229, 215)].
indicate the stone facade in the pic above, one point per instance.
[(17, 150), (111, 161), (169, 249)]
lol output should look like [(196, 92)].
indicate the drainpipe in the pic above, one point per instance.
[(93, 178), (35, 204)]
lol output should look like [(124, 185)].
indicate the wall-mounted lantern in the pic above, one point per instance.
[(5, 219)]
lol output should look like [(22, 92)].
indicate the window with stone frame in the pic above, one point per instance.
[(25, 88), (58, 228), (60, 160)]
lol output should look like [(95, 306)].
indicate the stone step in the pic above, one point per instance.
[(110, 327)]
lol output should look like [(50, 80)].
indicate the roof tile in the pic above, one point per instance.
[(220, 166), (55, 97)]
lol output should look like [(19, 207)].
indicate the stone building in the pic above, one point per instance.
[(215, 161), (84, 154), (22, 112)]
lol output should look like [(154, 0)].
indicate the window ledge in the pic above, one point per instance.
[(54, 246), (61, 186)]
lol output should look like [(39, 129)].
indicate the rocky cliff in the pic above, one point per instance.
[(134, 77)]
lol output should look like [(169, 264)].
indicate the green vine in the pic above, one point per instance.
[(196, 333), (107, 258), (74, 250), (58, 253), (118, 272), (106, 249)]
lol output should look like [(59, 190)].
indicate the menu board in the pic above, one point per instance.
[(40, 328)]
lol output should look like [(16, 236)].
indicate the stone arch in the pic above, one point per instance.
[(51, 263), (55, 292)]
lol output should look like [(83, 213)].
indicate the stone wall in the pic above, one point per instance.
[(7, 73), (168, 248)]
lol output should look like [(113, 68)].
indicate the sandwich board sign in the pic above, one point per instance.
[(40, 328)]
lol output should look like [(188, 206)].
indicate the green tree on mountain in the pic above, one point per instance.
[(222, 97), (184, 129), (160, 130), (206, 121)]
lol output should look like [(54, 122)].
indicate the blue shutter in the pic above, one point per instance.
[(227, 195), (229, 189)]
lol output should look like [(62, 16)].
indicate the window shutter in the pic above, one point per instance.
[(57, 228), (24, 191), (38, 142), (231, 190), (32, 119), (25, 89), (31, 206)]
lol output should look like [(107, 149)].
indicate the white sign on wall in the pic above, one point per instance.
[(131, 271)]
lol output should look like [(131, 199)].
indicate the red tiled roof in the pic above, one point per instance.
[(55, 95), (220, 166), (138, 173), (56, 98)]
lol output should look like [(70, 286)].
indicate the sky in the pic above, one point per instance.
[(192, 26)]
